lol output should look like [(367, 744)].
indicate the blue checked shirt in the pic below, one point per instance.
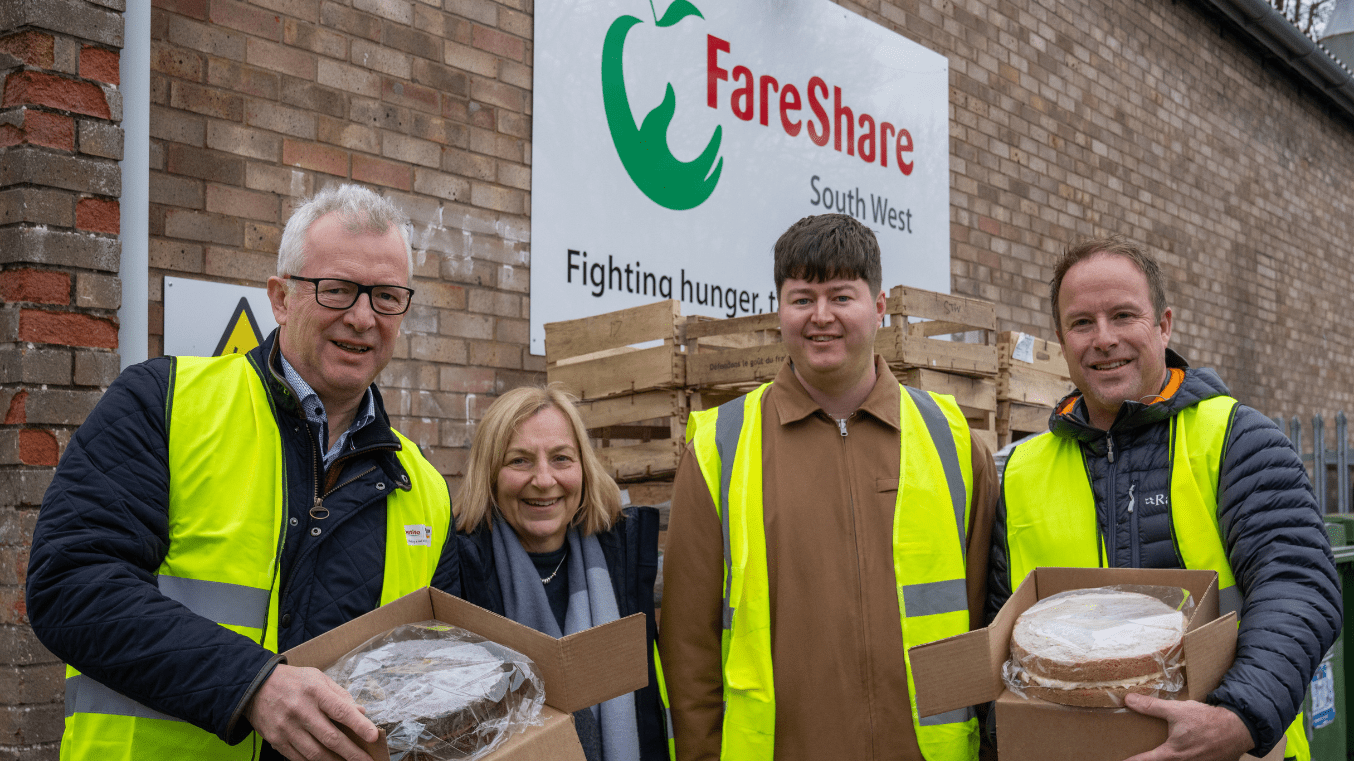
[(314, 409)]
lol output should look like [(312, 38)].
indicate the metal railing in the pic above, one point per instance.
[(1322, 460)]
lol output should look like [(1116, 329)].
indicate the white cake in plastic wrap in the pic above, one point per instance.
[(1090, 647)]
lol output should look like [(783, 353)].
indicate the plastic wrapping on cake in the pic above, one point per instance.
[(1090, 647), (441, 693)]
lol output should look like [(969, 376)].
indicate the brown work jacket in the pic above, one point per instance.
[(836, 636)]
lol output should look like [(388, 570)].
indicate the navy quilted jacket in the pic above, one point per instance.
[(1267, 512), (631, 551), (102, 533)]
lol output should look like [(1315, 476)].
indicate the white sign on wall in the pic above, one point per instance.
[(675, 140), (205, 319)]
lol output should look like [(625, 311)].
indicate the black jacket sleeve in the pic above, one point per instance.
[(101, 535), (1281, 557), (998, 563)]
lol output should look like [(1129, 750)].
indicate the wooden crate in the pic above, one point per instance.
[(1032, 378), (976, 397), (638, 437), (598, 357), (908, 343), (1016, 421), (735, 354), (1042, 381)]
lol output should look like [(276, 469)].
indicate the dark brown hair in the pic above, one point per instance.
[(828, 246), (1114, 245)]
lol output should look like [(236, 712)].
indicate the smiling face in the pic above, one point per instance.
[(1114, 343), (540, 484), (339, 352), (829, 329)]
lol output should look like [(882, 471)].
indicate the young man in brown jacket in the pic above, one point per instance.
[(820, 526)]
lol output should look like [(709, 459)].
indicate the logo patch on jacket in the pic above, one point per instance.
[(418, 536)]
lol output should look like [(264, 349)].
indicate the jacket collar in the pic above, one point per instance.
[(378, 435), (1185, 387), (792, 403)]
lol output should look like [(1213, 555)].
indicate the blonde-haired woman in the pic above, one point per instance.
[(544, 542)]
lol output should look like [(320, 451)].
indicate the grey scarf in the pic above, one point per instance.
[(592, 602)]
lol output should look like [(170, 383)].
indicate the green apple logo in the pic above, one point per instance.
[(673, 184)]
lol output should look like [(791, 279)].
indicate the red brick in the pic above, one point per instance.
[(15, 415), (100, 215), (498, 43), (379, 172), (245, 18), (33, 48), (40, 128), (36, 286), (320, 158), (192, 8), (37, 447), (43, 89), (67, 329), (99, 63), (411, 95), (989, 225)]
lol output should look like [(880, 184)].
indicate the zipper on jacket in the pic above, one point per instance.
[(1133, 529), (318, 504), (841, 426), (1111, 509), (1109, 446), (345, 483)]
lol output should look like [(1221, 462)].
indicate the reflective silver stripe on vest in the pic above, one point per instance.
[(948, 596), (939, 427), (1230, 601), (728, 424), (957, 716), (218, 601), (84, 695)]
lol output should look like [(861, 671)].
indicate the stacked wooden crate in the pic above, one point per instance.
[(924, 346), (628, 369), (640, 372), (1032, 379)]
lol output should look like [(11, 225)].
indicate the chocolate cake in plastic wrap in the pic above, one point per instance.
[(441, 693), (1091, 647)]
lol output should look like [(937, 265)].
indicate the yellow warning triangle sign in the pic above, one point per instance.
[(242, 332)]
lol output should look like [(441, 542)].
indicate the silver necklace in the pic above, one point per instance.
[(551, 577)]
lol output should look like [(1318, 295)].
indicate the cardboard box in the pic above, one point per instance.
[(966, 670), (579, 670)]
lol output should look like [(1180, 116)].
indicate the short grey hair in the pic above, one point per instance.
[(361, 210)]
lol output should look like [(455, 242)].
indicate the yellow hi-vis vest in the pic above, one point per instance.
[(227, 512), (930, 525), (1051, 515)]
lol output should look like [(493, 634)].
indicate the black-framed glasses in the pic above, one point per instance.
[(342, 294)]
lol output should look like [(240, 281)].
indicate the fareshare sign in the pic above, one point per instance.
[(674, 140)]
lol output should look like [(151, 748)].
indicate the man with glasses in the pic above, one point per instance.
[(213, 512)]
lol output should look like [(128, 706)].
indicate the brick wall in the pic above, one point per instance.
[(59, 295), (255, 105)]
